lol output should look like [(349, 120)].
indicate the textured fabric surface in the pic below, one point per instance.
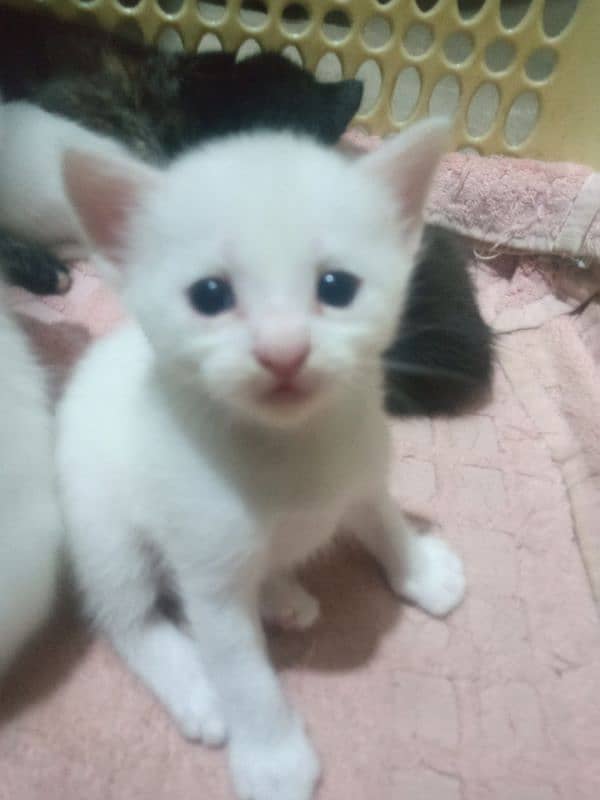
[(499, 702)]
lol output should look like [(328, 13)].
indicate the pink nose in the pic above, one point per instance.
[(284, 363)]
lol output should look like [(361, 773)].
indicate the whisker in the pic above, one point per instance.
[(420, 370), (409, 329)]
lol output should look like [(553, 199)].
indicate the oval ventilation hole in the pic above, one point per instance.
[(253, 14), (171, 7), (377, 32), (292, 53), (247, 49), (130, 29), (483, 109), (370, 74), (295, 19), (499, 55), (557, 15), (470, 8), (511, 13), (169, 41), (540, 64), (213, 11), (210, 43), (329, 68), (445, 97), (458, 47), (128, 4), (405, 96), (336, 25), (426, 5), (521, 118), (418, 39)]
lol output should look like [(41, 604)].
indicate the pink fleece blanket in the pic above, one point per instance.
[(499, 702)]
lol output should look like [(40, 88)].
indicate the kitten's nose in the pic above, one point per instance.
[(285, 362)]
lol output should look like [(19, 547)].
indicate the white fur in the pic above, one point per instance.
[(29, 517), (165, 438), (30, 526), (33, 203)]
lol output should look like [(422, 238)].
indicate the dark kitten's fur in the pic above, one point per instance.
[(159, 104), (167, 101), (31, 266), (155, 103), (442, 359), (206, 96)]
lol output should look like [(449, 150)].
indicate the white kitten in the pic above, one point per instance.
[(30, 523), (224, 440), (33, 203)]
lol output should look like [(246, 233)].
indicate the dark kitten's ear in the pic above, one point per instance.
[(340, 102), (442, 359)]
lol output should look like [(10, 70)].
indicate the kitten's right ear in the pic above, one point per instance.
[(105, 193), (406, 163)]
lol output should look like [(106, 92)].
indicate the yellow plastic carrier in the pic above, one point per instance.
[(522, 77)]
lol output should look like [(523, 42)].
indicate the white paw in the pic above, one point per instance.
[(199, 717), (434, 578), (286, 769), (285, 603)]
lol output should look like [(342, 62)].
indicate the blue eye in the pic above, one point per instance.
[(337, 288), (211, 296)]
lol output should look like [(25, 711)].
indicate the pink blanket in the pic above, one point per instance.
[(499, 702)]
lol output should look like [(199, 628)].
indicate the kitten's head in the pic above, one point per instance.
[(266, 271)]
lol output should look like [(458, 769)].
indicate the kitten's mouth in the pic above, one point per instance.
[(288, 394)]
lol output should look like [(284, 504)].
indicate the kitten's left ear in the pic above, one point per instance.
[(105, 192), (407, 163)]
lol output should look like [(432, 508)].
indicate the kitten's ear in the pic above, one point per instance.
[(104, 193), (406, 164)]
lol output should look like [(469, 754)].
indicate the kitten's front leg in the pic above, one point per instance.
[(270, 755), (421, 568)]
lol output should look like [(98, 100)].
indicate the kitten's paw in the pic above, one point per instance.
[(286, 604), (199, 716), (435, 579), (288, 769)]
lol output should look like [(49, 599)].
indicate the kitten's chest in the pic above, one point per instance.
[(292, 491), (309, 476), (298, 535)]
